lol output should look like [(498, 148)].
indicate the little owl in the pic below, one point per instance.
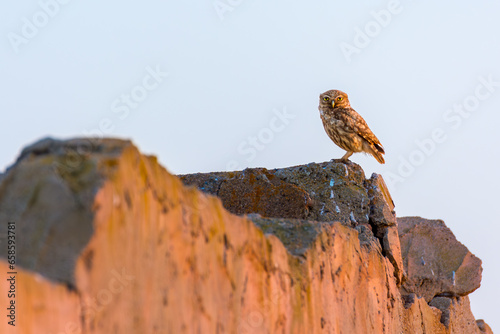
[(346, 127)]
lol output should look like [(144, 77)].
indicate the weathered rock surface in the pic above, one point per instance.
[(437, 264), (50, 193), (42, 305), (135, 251), (483, 327), (325, 192), (452, 315), (330, 191)]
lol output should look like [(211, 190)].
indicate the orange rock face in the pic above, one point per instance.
[(156, 256)]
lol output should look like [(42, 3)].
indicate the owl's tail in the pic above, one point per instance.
[(376, 150)]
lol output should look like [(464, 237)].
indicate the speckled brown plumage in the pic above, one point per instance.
[(346, 127)]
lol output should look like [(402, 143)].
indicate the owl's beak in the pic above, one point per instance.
[(333, 104)]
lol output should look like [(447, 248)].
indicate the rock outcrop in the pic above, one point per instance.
[(437, 264), (109, 242), (325, 192)]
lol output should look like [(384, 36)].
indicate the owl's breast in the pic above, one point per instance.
[(329, 119), (340, 133)]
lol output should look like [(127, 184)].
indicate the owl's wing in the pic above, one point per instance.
[(356, 123)]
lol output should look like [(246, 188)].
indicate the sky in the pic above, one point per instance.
[(222, 85)]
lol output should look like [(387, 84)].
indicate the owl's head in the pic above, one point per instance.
[(334, 99)]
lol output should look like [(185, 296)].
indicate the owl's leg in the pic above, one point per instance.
[(346, 155)]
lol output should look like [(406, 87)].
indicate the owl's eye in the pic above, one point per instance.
[(326, 98), (339, 98)]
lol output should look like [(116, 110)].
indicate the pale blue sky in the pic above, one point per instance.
[(229, 79)]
